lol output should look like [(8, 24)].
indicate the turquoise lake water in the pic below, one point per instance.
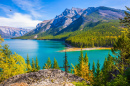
[(48, 48)]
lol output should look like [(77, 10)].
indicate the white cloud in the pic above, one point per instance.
[(19, 20), (35, 7)]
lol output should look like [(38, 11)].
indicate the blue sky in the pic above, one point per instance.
[(27, 13)]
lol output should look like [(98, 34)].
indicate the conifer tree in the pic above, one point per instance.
[(107, 68), (123, 43), (110, 63), (28, 64), (121, 48), (81, 63), (118, 81), (37, 66), (105, 64), (33, 65), (125, 21), (48, 64), (81, 58), (93, 67), (98, 69), (66, 64), (86, 58), (82, 69), (6, 50), (89, 66), (85, 71), (98, 76), (55, 65)]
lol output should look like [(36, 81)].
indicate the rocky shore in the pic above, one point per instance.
[(46, 77)]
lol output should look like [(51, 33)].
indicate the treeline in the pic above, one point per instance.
[(33, 67), (102, 35)]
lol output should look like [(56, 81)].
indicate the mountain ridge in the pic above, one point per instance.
[(74, 21), (68, 16), (10, 32)]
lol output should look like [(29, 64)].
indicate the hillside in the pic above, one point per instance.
[(102, 35), (10, 32)]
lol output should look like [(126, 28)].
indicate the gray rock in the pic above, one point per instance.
[(43, 77)]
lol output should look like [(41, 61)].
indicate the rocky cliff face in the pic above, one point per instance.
[(46, 77), (10, 32), (60, 21)]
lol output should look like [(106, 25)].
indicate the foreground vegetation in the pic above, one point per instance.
[(115, 71)]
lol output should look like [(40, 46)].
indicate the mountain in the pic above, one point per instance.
[(81, 27), (74, 19), (10, 32), (59, 22)]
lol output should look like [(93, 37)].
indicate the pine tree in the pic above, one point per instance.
[(98, 76), (66, 64), (110, 63), (107, 68), (82, 69), (85, 71), (98, 69), (126, 19), (81, 63), (37, 66), (28, 64), (89, 66), (48, 64), (123, 43), (105, 65), (81, 58), (6, 50), (93, 67), (86, 58), (118, 81), (55, 65), (33, 65), (121, 48)]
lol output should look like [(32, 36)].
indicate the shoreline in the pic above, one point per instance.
[(70, 49)]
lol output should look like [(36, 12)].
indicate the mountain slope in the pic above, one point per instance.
[(74, 19), (102, 35), (10, 32), (81, 27)]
